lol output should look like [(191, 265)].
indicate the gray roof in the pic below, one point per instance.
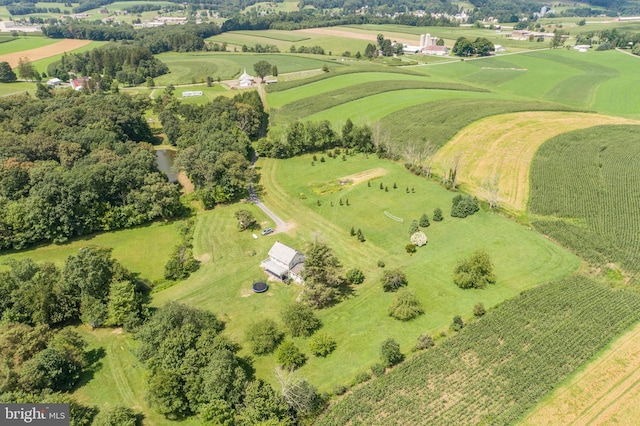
[(274, 268), (283, 253)]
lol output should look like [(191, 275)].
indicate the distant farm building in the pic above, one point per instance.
[(79, 83), (428, 46), (54, 82), (192, 93), (284, 262), (8, 26), (498, 48)]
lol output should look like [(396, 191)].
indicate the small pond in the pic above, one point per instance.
[(165, 163)]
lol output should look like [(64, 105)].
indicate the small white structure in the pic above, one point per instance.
[(498, 48), (192, 93), (54, 82), (284, 262), (245, 80), (436, 50)]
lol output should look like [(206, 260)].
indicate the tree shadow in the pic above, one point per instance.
[(92, 357)]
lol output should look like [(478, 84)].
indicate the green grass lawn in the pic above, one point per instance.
[(7, 89), (143, 250), (523, 259)]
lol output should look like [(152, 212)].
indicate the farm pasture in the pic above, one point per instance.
[(185, 67), (45, 50), (23, 44), (605, 392), (504, 145)]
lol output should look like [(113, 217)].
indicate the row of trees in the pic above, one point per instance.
[(303, 137), (72, 164)]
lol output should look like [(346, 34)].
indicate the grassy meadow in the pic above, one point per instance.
[(222, 285), (25, 43)]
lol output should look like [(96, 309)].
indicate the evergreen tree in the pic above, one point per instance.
[(6, 73)]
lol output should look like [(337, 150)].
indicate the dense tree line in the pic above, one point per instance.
[(27, 8), (214, 142), (177, 38), (303, 137), (91, 287), (73, 164), (125, 62), (196, 370), (307, 19), (384, 6)]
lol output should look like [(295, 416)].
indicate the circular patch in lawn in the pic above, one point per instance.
[(260, 287)]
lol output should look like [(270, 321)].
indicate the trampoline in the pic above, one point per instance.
[(260, 287)]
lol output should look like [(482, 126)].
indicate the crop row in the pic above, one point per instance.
[(588, 181), (499, 366)]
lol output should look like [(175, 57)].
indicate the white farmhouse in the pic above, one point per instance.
[(284, 262)]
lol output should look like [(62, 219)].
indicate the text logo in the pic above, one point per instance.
[(34, 414)]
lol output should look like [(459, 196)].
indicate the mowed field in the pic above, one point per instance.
[(46, 51), (606, 392), (504, 145), (293, 189)]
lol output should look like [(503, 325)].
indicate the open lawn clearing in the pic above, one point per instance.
[(46, 51), (117, 378), (24, 44), (584, 194), (316, 104), (288, 36), (186, 67), (605, 392), (17, 87), (143, 250), (375, 107), (523, 259), (369, 37), (504, 145), (500, 366)]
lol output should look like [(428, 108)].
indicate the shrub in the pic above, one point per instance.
[(263, 337), (413, 228), (381, 264), (339, 389), (352, 232), (479, 310), (410, 248), (355, 276), (390, 352), (405, 306), (378, 369), (289, 356), (463, 206), (457, 323), (393, 280), (299, 319), (425, 341), (475, 272), (322, 344), (424, 221), (419, 239), (437, 214), (362, 377)]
